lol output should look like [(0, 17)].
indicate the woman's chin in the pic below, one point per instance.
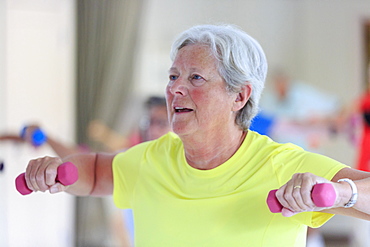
[(181, 129)]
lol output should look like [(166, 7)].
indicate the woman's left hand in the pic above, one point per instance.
[(295, 195)]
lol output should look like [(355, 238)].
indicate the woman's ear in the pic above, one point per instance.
[(242, 97)]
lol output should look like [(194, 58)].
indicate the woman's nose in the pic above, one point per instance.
[(178, 86)]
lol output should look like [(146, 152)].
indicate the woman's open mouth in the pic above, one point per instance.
[(182, 109)]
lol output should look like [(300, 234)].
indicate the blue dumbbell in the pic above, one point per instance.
[(38, 136)]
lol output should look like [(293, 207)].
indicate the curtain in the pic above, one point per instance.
[(107, 31)]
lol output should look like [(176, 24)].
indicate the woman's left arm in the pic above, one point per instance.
[(361, 179), (295, 195)]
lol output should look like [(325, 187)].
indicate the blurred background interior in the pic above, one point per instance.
[(66, 63)]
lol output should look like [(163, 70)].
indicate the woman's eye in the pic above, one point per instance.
[(172, 77), (197, 80), (197, 77)]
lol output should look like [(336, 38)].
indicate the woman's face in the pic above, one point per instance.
[(197, 99)]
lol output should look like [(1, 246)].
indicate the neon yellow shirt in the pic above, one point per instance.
[(177, 205)]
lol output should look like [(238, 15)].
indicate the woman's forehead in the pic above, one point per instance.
[(194, 57)]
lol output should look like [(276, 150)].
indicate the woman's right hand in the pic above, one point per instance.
[(41, 175)]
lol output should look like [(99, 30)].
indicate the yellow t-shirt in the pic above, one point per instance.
[(176, 205)]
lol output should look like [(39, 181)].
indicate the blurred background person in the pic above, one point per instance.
[(297, 112), (354, 122), (153, 124)]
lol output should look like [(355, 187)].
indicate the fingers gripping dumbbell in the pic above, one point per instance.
[(67, 174), (323, 195)]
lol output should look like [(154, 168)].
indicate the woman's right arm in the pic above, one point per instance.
[(95, 175)]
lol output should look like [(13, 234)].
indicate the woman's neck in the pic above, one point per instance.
[(208, 152)]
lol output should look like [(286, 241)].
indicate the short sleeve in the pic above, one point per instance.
[(126, 170)]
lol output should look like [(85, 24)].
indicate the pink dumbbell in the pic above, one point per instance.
[(67, 174), (323, 195)]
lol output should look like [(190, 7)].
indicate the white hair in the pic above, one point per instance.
[(241, 61)]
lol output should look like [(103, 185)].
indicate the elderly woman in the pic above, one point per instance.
[(206, 184)]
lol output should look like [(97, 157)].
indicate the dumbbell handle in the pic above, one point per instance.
[(67, 174), (323, 195)]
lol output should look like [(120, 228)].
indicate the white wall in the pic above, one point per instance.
[(37, 78), (319, 42)]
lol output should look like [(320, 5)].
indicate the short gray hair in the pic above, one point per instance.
[(241, 61)]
